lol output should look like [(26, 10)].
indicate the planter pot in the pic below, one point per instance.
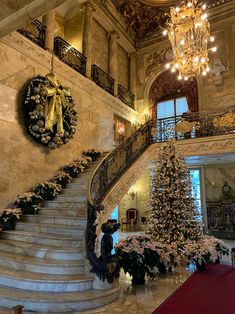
[(138, 278), (9, 225), (201, 267)]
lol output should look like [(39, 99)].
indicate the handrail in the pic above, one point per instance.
[(102, 79), (106, 174), (126, 96)]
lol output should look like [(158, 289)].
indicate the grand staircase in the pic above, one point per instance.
[(43, 261)]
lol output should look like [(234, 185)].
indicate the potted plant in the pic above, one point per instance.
[(138, 256), (94, 153), (170, 256), (206, 250), (47, 190), (62, 178), (28, 202), (73, 169), (8, 217)]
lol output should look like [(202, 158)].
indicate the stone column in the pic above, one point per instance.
[(133, 73), (49, 21), (87, 35), (113, 59)]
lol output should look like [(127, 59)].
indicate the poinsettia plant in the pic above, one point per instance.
[(28, 202), (73, 168), (138, 255), (47, 190), (94, 153), (207, 250), (8, 217), (62, 178)]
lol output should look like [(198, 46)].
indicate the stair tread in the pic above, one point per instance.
[(40, 234), (64, 208), (45, 247), (40, 261), (13, 293), (41, 277), (42, 225), (52, 216)]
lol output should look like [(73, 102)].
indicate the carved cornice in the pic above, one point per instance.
[(43, 58)]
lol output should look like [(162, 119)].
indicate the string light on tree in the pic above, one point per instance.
[(189, 34)]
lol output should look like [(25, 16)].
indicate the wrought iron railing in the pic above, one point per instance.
[(104, 177), (126, 96), (35, 31), (195, 125), (102, 79), (69, 55)]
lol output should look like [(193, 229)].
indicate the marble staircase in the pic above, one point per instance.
[(43, 263)]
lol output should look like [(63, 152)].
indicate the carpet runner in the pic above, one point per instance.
[(208, 292)]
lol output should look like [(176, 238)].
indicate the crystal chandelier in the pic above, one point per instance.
[(189, 34)]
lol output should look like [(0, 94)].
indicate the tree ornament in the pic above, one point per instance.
[(49, 113)]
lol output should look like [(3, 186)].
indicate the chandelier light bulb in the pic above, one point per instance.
[(167, 65), (164, 32), (182, 42), (204, 16), (196, 59), (204, 73), (176, 65), (189, 5), (177, 9), (214, 49), (204, 6), (203, 60), (186, 78), (173, 70), (212, 39), (180, 77), (207, 69)]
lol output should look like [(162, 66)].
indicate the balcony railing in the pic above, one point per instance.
[(35, 32), (102, 79), (195, 125), (126, 96), (69, 55)]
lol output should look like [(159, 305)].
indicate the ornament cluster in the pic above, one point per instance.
[(36, 107)]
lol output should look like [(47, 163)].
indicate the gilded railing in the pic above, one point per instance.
[(69, 55), (105, 176), (126, 96), (102, 79), (195, 125), (35, 31)]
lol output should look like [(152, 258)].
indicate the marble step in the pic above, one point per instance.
[(51, 229), (65, 204), (42, 251), (52, 302), (50, 219), (42, 238), (78, 186), (76, 212), (41, 265), (44, 282), (71, 198), (73, 190)]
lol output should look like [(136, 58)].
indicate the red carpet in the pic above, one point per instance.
[(208, 292)]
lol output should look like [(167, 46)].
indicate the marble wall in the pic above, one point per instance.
[(100, 46), (123, 67), (215, 177), (23, 162)]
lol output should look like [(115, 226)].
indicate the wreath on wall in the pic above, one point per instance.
[(49, 112)]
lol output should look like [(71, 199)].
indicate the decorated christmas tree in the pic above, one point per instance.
[(172, 213)]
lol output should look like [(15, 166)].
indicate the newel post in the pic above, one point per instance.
[(18, 309)]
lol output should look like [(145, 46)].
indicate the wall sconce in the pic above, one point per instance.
[(146, 117), (136, 124), (132, 192)]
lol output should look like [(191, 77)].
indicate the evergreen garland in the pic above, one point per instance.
[(34, 111)]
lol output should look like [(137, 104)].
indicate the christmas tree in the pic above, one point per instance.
[(172, 213)]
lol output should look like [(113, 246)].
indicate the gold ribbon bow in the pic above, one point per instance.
[(53, 109)]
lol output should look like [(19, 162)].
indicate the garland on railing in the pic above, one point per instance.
[(29, 203)]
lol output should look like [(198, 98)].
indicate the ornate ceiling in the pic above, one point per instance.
[(145, 18)]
